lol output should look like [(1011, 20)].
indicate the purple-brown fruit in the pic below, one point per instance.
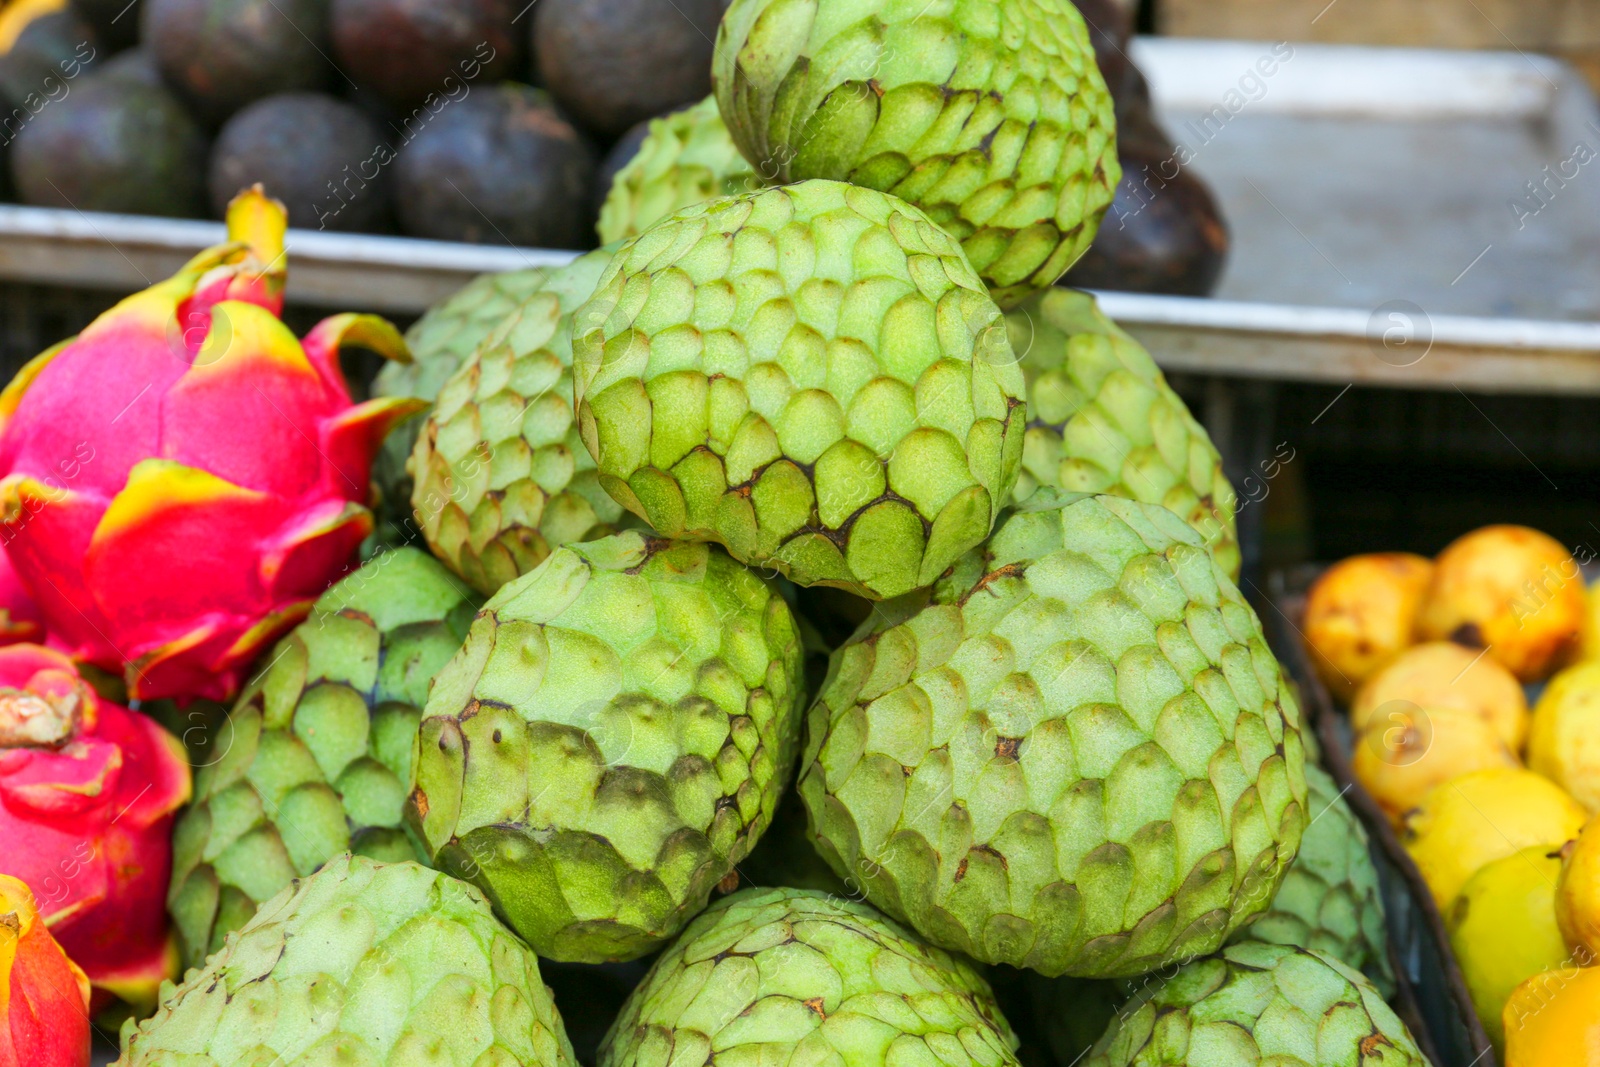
[(613, 63), (499, 166), (406, 49), (224, 54), (324, 158)]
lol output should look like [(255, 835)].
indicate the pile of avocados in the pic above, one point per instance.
[(490, 121)]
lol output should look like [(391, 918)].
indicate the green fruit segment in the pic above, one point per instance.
[(1073, 753), (610, 741), (1257, 1003), (1330, 900), (316, 755), (500, 472), (380, 964), (991, 117), (1102, 419), (807, 977), (811, 376), (440, 342), (687, 157)]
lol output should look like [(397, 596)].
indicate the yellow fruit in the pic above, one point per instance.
[(1404, 753), (1512, 590), (1503, 930), (1591, 624), (1578, 894), (1362, 613), (1564, 739), (1553, 1020), (1480, 817), (1445, 675)]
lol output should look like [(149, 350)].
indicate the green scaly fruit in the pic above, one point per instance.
[(1102, 419), (500, 474), (366, 964), (1072, 754), (810, 375), (612, 738), (1258, 1004), (1330, 900), (440, 342), (989, 115), (315, 757), (686, 158), (791, 976)]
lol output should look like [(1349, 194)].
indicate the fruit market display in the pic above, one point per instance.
[(1494, 803), (800, 624)]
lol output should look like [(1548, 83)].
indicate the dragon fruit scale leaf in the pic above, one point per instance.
[(88, 791)]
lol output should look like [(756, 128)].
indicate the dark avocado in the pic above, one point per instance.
[(407, 49), (50, 53), (612, 63), (113, 144), (1163, 233), (499, 166), (135, 65), (116, 21), (222, 54), (324, 158)]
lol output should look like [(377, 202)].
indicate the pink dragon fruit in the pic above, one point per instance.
[(182, 479), (44, 997), (88, 790), (19, 615)]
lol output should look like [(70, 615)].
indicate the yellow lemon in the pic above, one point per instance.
[(1503, 929), (1471, 821), (1361, 614), (1564, 740), (1553, 1020), (1445, 675), (1406, 751)]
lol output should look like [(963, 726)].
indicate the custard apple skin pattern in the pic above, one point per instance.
[(612, 738), (797, 977), (686, 158), (1257, 1004), (440, 342), (501, 476), (810, 375), (989, 115), (1073, 754), (363, 963), (1330, 900), (1102, 419)]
